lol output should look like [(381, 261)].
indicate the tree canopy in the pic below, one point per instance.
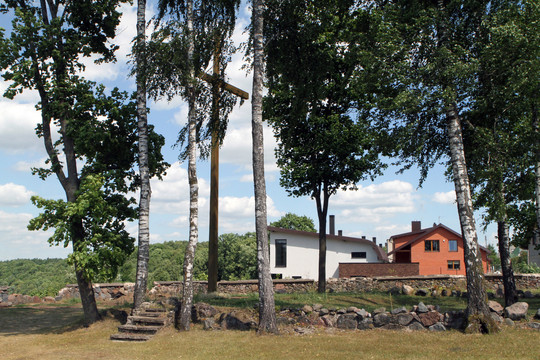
[(295, 222)]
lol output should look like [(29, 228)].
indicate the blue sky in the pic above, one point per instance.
[(379, 209)]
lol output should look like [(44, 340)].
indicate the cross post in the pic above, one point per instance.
[(217, 84)]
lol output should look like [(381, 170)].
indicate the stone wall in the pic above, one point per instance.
[(120, 292), (348, 270)]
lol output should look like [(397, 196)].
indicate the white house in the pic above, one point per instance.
[(534, 254), (295, 254)]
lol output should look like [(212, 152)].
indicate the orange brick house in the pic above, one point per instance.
[(437, 250)]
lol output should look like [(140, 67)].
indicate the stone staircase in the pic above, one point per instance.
[(143, 325)]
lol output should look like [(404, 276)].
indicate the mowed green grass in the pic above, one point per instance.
[(56, 333)]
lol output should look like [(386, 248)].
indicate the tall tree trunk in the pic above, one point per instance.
[(143, 255), (187, 297), (322, 211), (509, 283), (478, 316), (537, 174), (267, 310), (86, 290)]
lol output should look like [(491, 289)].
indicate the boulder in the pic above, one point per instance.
[(400, 310), (307, 309), (495, 307), (416, 326), (362, 314), (407, 290), (421, 292), (516, 311), (352, 309), (323, 312), (381, 319), (379, 311), (201, 311), (328, 320), (534, 325), (392, 326), (421, 308), (404, 319), (508, 322), (528, 295), (496, 317), (365, 324), (429, 318), (317, 307), (347, 321), (537, 315), (437, 327)]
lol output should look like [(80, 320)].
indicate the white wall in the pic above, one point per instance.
[(534, 255), (303, 255)]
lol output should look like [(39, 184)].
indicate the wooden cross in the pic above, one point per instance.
[(216, 83)]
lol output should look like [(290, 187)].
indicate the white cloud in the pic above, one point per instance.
[(18, 242), (172, 194), (445, 197), (14, 195), (237, 148), (17, 127), (26, 166)]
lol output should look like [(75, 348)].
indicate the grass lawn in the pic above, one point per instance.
[(56, 333)]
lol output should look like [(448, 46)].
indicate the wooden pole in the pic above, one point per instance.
[(214, 182), (217, 85)]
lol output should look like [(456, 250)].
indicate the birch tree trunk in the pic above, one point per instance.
[(267, 311), (143, 255), (478, 317), (510, 294), (183, 321)]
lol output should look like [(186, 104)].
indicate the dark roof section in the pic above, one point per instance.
[(381, 255), (425, 232)]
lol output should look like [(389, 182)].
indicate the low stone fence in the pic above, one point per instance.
[(166, 289), (439, 284)]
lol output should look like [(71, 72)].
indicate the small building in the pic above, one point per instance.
[(437, 250), (295, 254)]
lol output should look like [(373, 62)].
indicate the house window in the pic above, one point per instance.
[(281, 253), (453, 265), (358, 255), (452, 245), (432, 245)]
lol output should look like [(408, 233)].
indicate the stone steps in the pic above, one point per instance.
[(143, 325)]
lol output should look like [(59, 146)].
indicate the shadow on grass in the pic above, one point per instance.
[(39, 320)]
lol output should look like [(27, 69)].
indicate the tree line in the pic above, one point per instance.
[(349, 81)]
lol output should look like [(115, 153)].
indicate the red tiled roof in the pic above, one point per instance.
[(424, 232)]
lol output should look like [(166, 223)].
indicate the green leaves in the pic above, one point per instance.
[(295, 222), (105, 243), (312, 56)]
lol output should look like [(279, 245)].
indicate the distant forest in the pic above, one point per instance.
[(45, 277)]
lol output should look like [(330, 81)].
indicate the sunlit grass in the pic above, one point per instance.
[(94, 343), (57, 333)]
